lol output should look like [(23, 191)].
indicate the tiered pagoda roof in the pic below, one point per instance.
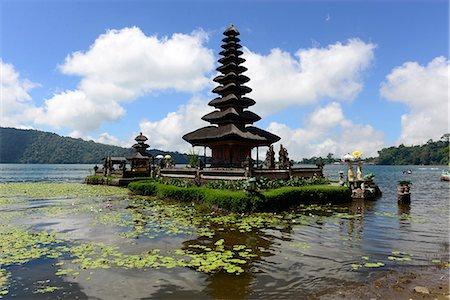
[(140, 146), (231, 119)]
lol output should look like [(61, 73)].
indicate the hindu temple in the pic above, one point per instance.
[(230, 136)]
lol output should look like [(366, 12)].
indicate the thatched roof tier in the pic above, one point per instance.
[(231, 39), (139, 146), (231, 100), (231, 51), (137, 155), (210, 135), (141, 138), (231, 67), (232, 88), (231, 115), (231, 59), (231, 77), (231, 45)]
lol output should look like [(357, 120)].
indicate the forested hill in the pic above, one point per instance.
[(34, 146), (431, 153)]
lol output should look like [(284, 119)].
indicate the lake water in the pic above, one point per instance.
[(44, 172), (295, 255)]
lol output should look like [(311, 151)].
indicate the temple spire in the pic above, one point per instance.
[(229, 137)]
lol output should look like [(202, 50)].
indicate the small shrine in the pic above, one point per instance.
[(140, 160), (136, 164), (362, 187), (230, 137)]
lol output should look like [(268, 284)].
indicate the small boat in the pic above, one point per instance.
[(403, 192), (445, 175)]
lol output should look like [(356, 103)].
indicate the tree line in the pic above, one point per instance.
[(39, 147), (430, 153), (34, 146)]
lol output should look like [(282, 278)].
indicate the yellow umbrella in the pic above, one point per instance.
[(167, 156), (356, 153)]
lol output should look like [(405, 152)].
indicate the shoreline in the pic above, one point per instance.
[(416, 282)]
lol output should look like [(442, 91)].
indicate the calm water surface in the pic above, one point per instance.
[(304, 253), (44, 172)]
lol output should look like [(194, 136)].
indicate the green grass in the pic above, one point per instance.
[(239, 201)]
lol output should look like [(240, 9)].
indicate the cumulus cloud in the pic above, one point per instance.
[(280, 79), (122, 65), (425, 91), (167, 133), (106, 138), (16, 107), (328, 131)]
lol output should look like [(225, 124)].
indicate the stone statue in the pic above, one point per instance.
[(350, 174), (269, 163), (283, 160), (248, 166), (359, 175), (170, 164)]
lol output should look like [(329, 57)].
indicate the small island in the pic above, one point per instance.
[(231, 179)]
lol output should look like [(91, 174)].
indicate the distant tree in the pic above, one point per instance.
[(430, 153), (329, 159)]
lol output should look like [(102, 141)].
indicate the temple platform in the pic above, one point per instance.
[(239, 173)]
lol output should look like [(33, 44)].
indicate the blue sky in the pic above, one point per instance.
[(327, 76)]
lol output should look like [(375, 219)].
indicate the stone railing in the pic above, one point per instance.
[(239, 173)]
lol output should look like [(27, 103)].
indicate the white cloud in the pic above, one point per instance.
[(280, 80), (122, 65), (16, 107), (167, 133), (106, 138), (328, 131), (425, 91)]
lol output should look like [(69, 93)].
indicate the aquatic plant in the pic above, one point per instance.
[(400, 256), (209, 240), (366, 263), (4, 277), (52, 190)]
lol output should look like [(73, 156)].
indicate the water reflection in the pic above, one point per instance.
[(230, 286), (298, 253), (404, 212)]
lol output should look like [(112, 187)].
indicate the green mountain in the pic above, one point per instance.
[(39, 147)]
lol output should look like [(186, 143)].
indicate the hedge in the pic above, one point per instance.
[(238, 201), (286, 197)]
